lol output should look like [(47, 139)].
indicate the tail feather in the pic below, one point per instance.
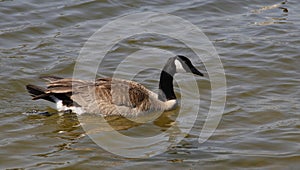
[(58, 89), (38, 93)]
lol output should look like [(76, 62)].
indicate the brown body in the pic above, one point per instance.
[(105, 96)]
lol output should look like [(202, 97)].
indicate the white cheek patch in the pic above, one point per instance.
[(179, 67)]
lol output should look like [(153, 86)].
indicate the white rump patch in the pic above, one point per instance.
[(60, 107), (179, 67)]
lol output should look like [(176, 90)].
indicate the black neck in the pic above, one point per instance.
[(166, 83)]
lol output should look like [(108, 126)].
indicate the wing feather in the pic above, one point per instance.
[(105, 95), (109, 95)]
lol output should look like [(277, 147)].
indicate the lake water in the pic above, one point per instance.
[(258, 44)]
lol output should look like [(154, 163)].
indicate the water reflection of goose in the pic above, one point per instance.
[(114, 96)]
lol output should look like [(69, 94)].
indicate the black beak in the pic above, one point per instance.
[(195, 71)]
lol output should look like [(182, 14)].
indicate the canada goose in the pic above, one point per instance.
[(113, 96)]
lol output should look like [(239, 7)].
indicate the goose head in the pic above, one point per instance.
[(177, 64), (180, 64)]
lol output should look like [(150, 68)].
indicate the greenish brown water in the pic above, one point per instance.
[(258, 43)]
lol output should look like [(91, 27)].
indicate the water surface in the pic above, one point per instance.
[(258, 43)]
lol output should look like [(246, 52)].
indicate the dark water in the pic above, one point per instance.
[(257, 41)]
